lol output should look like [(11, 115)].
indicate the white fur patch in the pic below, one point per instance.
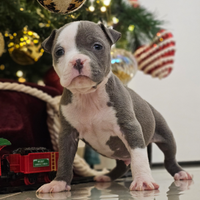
[(93, 119), (139, 162), (67, 40), (141, 172)]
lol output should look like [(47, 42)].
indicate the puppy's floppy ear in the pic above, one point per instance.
[(112, 35), (48, 42)]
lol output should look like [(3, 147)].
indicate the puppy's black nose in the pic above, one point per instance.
[(78, 65)]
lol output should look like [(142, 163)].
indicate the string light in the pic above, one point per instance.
[(115, 20), (2, 67), (30, 33), (35, 41), (158, 34), (6, 34), (103, 9), (21, 80), (106, 2), (91, 8), (19, 73), (73, 17), (131, 27)]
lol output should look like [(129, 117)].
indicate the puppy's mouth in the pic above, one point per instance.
[(81, 78), (82, 81)]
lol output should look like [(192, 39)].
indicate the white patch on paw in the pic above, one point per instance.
[(143, 183), (102, 178), (182, 175), (141, 172), (54, 186)]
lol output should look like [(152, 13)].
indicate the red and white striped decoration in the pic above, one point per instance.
[(157, 58), (134, 3)]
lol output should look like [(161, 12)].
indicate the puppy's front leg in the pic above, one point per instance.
[(141, 172), (68, 142)]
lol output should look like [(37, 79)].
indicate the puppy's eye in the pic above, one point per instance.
[(97, 46), (60, 52)]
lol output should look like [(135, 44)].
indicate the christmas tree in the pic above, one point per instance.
[(25, 23)]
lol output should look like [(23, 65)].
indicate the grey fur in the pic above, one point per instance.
[(47, 44), (66, 97), (112, 35), (126, 117), (119, 170), (153, 125), (164, 139), (118, 147), (89, 34), (68, 143)]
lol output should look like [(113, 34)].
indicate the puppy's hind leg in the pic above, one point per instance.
[(165, 141), (117, 172)]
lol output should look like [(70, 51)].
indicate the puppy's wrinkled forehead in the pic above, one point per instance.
[(88, 33), (83, 33)]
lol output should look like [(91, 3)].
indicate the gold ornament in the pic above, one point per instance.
[(62, 6), (25, 47), (2, 44), (123, 64)]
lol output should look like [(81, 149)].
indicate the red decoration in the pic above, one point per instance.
[(52, 79), (157, 58), (134, 3), (24, 118)]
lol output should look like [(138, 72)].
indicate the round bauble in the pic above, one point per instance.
[(134, 3), (25, 47), (62, 6), (123, 64), (2, 44), (157, 58)]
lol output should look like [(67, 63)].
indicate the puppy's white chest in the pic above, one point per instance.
[(95, 121)]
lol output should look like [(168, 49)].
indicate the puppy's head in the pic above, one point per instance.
[(81, 54)]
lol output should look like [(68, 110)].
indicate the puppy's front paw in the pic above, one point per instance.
[(182, 175), (54, 186), (144, 183), (102, 178)]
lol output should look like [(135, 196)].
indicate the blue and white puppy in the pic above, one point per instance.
[(97, 108)]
